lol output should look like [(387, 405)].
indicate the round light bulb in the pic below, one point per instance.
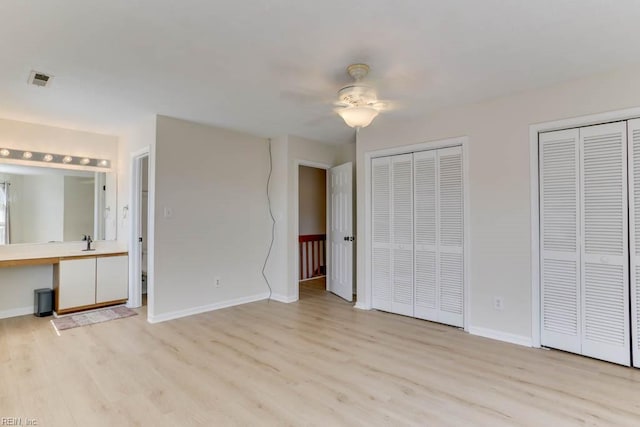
[(47, 157), (27, 155), (4, 152), (67, 159), (358, 116), (85, 161), (103, 163)]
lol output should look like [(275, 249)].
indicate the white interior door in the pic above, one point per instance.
[(402, 234), (450, 237), (342, 238), (425, 203), (439, 235), (633, 131), (381, 233), (560, 240), (605, 254), (584, 241)]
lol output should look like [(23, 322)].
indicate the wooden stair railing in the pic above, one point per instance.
[(312, 249)]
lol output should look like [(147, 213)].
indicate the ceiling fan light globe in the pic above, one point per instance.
[(358, 117)]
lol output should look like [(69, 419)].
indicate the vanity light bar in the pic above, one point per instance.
[(34, 156)]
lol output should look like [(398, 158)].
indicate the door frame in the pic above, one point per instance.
[(365, 301), (135, 213), (534, 165), (296, 220)]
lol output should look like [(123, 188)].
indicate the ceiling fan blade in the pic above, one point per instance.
[(300, 79), (401, 82), (302, 97), (321, 120), (386, 105)]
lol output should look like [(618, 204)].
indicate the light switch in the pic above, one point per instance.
[(168, 212)]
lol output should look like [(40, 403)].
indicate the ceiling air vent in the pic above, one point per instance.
[(40, 79)]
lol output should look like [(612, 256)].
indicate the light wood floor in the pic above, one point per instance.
[(314, 362), (318, 283)]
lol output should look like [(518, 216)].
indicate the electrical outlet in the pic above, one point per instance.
[(498, 303), (217, 283)]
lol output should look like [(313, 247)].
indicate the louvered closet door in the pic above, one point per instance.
[(559, 240), (450, 237), (402, 234), (604, 257), (381, 233), (634, 234), (426, 248)]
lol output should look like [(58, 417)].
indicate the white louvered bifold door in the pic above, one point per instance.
[(381, 233), (450, 237), (559, 240), (604, 257), (402, 234), (633, 131), (426, 227)]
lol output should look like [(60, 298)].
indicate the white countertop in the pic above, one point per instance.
[(62, 249)]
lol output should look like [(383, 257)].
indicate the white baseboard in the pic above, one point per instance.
[(14, 312), (284, 298), (205, 308), (361, 306), (501, 336)]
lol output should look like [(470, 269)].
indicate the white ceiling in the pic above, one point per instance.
[(258, 65)]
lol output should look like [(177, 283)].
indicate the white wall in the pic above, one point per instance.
[(498, 132), (35, 137), (138, 137), (312, 200), (346, 153), (278, 265), (17, 284), (214, 182)]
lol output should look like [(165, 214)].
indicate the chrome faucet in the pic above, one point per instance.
[(87, 238)]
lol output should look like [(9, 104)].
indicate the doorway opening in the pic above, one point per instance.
[(140, 211), (312, 228), (144, 226)]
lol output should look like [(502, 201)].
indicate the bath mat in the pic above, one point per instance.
[(98, 316)]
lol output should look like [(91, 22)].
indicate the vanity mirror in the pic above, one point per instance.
[(43, 204)]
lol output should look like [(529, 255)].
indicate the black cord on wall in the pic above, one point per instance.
[(273, 223)]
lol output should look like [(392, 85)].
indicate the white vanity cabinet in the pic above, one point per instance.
[(87, 282), (79, 278), (112, 278)]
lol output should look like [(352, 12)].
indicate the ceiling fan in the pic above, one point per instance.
[(358, 102)]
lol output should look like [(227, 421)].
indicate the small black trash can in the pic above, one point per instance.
[(43, 305)]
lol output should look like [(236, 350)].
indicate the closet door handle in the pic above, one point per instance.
[(604, 259)]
